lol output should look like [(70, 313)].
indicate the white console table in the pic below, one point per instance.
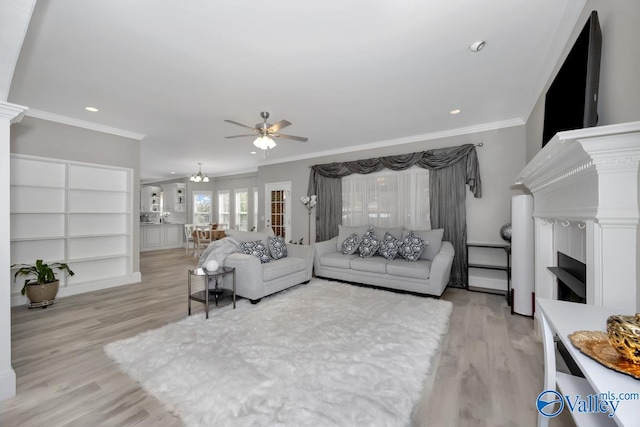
[(564, 318)]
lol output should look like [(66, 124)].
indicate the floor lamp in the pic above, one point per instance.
[(309, 202)]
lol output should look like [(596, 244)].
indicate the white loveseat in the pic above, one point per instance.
[(428, 275), (255, 280)]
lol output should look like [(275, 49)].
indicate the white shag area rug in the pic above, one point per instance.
[(321, 354)]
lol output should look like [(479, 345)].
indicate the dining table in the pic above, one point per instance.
[(209, 234)]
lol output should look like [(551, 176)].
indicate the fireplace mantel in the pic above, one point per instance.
[(588, 179)]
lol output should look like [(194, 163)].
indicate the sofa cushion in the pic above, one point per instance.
[(257, 249), (277, 247), (337, 259), (283, 267), (351, 244), (373, 265), (345, 231), (434, 237), (417, 270), (412, 247), (369, 244), (389, 247)]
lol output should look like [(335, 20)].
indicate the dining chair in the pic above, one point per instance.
[(188, 234), (203, 238)]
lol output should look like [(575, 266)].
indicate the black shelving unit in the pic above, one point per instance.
[(505, 268)]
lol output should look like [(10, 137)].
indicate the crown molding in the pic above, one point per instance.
[(44, 115), (12, 112), (405, 140)]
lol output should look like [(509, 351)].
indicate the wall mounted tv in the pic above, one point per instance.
[(572, 100)]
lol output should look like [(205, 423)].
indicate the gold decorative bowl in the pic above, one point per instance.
[(624, 335)]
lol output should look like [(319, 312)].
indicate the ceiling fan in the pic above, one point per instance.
[(266, 132)]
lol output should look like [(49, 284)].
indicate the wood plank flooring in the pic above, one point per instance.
[(489, 372)]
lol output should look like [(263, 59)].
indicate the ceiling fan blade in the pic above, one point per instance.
[(239, 136), (281, 124), (239, 124), (295, 138)]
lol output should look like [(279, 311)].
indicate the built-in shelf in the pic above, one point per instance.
[(72, 212), (569, 280)]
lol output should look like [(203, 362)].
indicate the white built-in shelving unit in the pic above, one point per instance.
[(78, 213)]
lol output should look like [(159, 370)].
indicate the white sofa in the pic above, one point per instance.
[(429, 275), (255, 280)]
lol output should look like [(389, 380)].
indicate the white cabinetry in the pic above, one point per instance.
[(174, 202), (154, 237), (150, 199), (76, 213)]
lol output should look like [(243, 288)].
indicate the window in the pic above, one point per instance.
[(223, 208), (387, 199), (202, 207), (242, 209)]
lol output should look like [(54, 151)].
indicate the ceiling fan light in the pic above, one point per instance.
[(264, 142)]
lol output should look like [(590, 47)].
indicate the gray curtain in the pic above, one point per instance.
[(451, 167)]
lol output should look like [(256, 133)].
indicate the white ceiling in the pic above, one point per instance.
[(345, 73)]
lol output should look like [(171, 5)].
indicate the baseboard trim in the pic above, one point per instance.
[(7, 384)]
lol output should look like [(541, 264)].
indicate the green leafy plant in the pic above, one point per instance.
[(43, 273)]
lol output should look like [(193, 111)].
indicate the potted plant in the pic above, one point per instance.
[(41, 285)]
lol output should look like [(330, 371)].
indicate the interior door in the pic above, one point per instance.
[(278, 208)]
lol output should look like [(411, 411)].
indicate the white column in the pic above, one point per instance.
[(9, 113), (522, 254)]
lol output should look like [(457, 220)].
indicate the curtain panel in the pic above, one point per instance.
[(451, 167)]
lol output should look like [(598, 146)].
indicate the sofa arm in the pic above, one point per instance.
[(441, 267), (323, 248), (248, 275), (303, 251)]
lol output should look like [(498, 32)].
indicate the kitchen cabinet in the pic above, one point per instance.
[(150, 199), (154, 237), (175, 203)]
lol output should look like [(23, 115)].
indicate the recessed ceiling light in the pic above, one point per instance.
[(253, 152), (477, 46), (92, 109), (173, 173), (454, 112)]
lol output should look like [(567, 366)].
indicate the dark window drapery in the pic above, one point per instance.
[(451, 167)]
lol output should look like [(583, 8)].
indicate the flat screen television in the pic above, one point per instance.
[(572, 100)]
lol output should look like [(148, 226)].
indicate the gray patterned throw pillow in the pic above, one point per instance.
[(277, 247), (351, 244), (369, 244), (389, 247), (257, 249), (412, 247)]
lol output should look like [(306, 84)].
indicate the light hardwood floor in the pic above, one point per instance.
[(489, 372)]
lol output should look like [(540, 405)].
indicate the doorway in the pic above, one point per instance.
[(278, 208)]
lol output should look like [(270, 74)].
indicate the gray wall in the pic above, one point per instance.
[(619, 98), (36, 137), (501, 158)]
